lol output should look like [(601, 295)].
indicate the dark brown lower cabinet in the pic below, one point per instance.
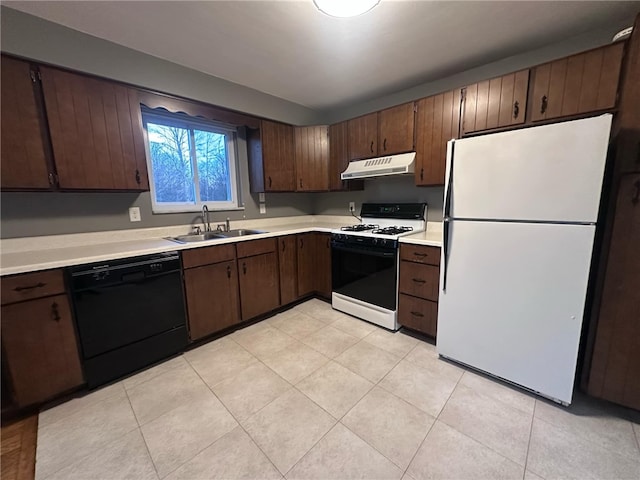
[(288, 266), (212, 298), (40, 350), (419, 288), (418, 314), (259, 284), (306, 264), (323, 264)]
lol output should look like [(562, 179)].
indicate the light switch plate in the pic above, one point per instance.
[(134, 214), (263, 208)]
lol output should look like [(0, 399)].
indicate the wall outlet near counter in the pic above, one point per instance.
[(134, 214), (352, 206)]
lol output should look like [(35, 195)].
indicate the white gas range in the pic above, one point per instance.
[(365, 260)]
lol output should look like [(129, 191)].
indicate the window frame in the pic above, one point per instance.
[(189, 123)]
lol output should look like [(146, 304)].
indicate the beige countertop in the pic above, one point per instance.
[(21, 255)]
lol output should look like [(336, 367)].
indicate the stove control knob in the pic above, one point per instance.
[(375, 240)]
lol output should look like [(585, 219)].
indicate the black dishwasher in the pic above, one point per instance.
[(130, 313)]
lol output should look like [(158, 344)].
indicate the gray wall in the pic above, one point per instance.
[(592, 39), (33, 37), (389, 189), (46, 213)]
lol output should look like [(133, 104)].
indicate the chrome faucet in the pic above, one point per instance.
[(205, 218), (228, 226)]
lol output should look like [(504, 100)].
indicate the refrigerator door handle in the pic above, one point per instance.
[(445, 252), (448, 186)]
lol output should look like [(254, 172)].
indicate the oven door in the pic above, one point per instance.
[(366, 273)]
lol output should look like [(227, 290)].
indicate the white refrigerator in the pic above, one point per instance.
[(520, 213)]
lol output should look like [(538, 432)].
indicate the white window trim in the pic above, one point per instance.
[(232, 155)]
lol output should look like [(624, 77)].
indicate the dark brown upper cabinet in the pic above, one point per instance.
[(312, 158), (272, 158), (582, 83), (26, 162), (499, 102), (96, 132), (437, 122), (395, 129), (363, 136), (339, 158)]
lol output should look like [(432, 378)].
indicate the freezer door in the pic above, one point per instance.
[(514, 301), (547, 173)]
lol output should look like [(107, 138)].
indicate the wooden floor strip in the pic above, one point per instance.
[(19, 440)]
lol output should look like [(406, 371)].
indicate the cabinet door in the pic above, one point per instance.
[(24, 134), (212, 298), (306, 264), (96, 132), (39, 343), (259, 284), (288, 264), (363, 136), (312, 158), (615, 367), (582, 83), (323, 264), (395, 129), (339, 158), (437, 122), (278, 156), (499, 102)]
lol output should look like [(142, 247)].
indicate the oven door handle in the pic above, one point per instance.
[(361, 251)]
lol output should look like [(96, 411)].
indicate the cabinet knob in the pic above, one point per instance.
[(543, 104), (422, 174), (300, 183), (301, 243), (138, 177), (516, 109), (284, 245), (228, 271), (269, 178), (384, 145), (55, 314), (371, 147), (244, 268)]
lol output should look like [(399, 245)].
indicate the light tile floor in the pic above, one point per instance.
[(312, 393)]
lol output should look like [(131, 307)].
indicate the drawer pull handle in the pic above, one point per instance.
[(417, 314), (419, 280), (55, 314), (30, 287), (543, 104), (418, 254)]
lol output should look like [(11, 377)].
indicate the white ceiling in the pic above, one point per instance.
[(288, 49)]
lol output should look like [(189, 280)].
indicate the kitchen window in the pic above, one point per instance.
[(191, 163)]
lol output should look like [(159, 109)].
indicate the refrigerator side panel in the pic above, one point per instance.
[(548, 173), (514, 301)]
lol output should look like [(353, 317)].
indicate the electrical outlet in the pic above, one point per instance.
[(134, 214), (352, 206)]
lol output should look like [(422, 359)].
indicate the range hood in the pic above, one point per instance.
[(381, 166)]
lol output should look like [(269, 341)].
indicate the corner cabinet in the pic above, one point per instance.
[(272, 158), (26, 160), (495, 103), (583, 83), (312, 158), (211, 289), (39, 347), (437, 122)]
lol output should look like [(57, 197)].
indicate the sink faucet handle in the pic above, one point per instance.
[(196, 230), (228, 225)]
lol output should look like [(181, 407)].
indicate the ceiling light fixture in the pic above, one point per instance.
[(345, 8)]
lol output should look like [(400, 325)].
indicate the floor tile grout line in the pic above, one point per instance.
[(413, 457), (146, 445), (526, 458)]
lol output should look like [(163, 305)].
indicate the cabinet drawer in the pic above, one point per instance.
[(420, 254), (207, 255), (256, 247), (419, 280), (31, 285), (418, 314)]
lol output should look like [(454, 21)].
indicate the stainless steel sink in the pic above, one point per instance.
[(201, 237), (240, 232)]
